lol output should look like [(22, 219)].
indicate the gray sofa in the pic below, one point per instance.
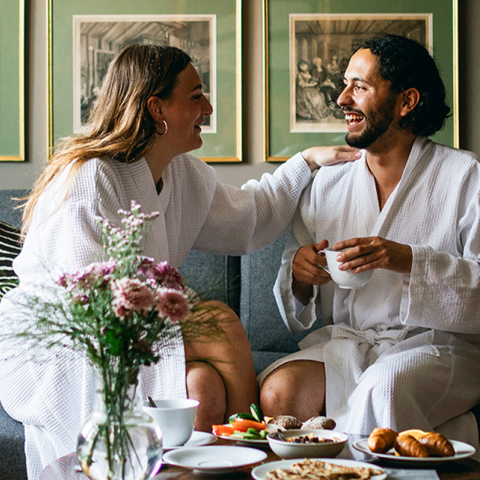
[(244, 283)]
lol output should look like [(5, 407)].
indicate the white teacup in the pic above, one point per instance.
[(344, 278), (175, 417)]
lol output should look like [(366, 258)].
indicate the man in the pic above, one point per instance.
[(402, 352)]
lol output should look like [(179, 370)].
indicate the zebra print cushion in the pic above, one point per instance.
[(10, 246)]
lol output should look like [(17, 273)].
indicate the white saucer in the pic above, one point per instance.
[(196, 440), (214, 459)]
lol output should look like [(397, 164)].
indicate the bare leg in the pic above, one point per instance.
[(295, 388), (206, 385), (230, 361)]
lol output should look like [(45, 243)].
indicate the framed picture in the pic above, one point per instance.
[(85, 36), (12, 81), (307, 47)]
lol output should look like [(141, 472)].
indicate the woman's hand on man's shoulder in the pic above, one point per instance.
[(323, 156)]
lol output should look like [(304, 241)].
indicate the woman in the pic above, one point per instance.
[(147, 116), (311, 103)]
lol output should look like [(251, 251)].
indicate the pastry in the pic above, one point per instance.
[(408, 446), (437, 445), (381, 440), (321, 423)]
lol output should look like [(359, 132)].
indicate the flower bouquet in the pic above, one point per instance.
[(119, 313)]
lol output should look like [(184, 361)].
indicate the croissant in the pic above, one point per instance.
[(408, 446), (381, 440), (437, 445)]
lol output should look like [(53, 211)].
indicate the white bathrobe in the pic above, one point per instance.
[(53, 395), (402, 352)]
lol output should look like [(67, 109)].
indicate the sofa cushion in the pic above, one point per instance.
[(214, 277), (12, 450), (8, 203), (10, 246)]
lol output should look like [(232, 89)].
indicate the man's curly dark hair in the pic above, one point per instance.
[(407, 64)]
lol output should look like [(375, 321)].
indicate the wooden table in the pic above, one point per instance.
[(67, 468)]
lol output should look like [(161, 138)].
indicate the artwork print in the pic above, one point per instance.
[(320, 45), (98, 38)]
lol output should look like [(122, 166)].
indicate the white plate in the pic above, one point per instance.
[(215, 458), (462, 450), (196, 440), (245, 441), (260, 472)]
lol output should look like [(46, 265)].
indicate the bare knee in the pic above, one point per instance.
[(273, 397), (296, 388), (229, 357), (221, 310), (228, 319), (206, 385), (231, 345)]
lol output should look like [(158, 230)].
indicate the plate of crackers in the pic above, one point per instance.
[(336, 469), (414, 447)]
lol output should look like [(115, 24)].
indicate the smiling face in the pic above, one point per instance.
[(184, 111), (371, 108)]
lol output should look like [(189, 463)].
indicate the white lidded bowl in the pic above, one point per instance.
[(286, 449)]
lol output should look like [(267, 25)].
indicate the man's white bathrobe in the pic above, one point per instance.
[(403, 351), (52, 395)]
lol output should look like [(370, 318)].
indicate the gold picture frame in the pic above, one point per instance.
[(318, 28), (12, 81), (209, 31)]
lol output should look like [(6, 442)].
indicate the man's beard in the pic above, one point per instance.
[(378, 123)]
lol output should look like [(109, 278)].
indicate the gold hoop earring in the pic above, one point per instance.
[(164, 132)]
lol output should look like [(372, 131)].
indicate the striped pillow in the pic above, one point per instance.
[(10, 246)]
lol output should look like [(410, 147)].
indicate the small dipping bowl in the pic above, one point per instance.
[(175, 417), (286, 449)]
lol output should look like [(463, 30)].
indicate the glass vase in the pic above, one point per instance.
[(119, 441)]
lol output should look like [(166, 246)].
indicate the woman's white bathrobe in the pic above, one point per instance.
[(402, 352), (52, 398)]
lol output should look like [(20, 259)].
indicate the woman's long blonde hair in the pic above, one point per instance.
[(120, 127)]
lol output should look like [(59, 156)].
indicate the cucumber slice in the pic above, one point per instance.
[(245, 435), (245, 416), (256, 412)]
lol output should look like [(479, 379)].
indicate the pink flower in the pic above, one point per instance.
[(146, 268), (162, 273), (88, 276), (173, 304), (168, 276), (131, 295)]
